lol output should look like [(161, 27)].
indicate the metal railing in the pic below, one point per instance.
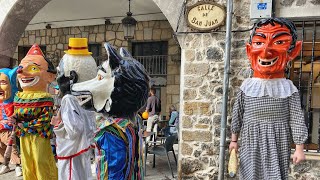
[(155, 65)]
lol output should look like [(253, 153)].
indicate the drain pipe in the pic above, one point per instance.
[(225, 90)]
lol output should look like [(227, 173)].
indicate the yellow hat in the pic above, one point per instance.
[(78, 46)]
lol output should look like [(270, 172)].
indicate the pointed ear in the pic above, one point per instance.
[(295, 51), (114, 58), (125, 53), (248, 50)]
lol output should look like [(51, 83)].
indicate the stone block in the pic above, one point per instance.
[(54, 32), (139, 26), (199, 136), (92, 38), (124, 44), (193, 82), (38, 40), (201, 126), (186, 149), (204, 108), (110, 35), (170, 79), (37, 33), (166, 34), (187, 122), (145, 24), (199, 69), (95, 29), (189, 94), (60, 46), (84, 34), (173, 89), (138, 35), (32, 39), (147, 33), (173, 50), (75, 30), (189, 166), (189, 55), (42, 32), (173, 69), (165, 25), (66, 31), (177, 79), (115, 27), (51, 40), (151, 23), (120, 36), (102, 28), (118, 43), (60, 32), (53, 47), (215, 54), (175, 99), (156, 34), (57, 40), (100, 37)]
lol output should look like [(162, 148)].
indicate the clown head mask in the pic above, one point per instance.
[(35, 72), (120, 89), (272, 45), (8, 84), (77, 65)]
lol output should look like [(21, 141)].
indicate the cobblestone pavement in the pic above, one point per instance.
[(160, 172)]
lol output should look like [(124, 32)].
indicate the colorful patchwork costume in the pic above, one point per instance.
[(33, 109)]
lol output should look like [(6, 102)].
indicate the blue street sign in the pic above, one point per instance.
[(262, 6)]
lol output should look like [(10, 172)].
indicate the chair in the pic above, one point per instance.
[(163, 149)]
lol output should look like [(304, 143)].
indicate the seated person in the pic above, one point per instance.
[(173, 126)]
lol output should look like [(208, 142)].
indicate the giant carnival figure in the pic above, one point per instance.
[(33, 108), (118, 92), (8, 148), (267, 111), (74, 126)]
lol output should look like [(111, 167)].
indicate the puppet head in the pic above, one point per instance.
[(35, 72), (8, 84), (77, 65), (120, 88), (273, 43)]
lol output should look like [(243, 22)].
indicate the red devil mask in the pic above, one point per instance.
[(269, 51)]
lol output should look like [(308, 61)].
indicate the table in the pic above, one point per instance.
[(145, 135)]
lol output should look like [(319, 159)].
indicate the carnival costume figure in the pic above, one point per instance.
[(33, 109), (8, 89), (74, 126), (118, 92), (267, 111)]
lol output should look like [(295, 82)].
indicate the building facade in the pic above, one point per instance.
[(198, 77)]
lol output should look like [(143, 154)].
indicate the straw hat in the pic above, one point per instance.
[(78, 46)]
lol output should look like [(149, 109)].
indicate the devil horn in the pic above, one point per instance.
[(114, 58), (125, 53)]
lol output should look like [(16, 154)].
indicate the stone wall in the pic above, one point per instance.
[(203, 71), (56, 41)]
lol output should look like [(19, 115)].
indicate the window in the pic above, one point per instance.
[(305, 74)]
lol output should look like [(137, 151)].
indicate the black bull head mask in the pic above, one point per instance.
[(120, 88)]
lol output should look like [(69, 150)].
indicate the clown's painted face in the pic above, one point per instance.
[(269, 51), (5, 87), (33, 74)]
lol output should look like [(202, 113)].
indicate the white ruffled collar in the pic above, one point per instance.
[(277, 88)]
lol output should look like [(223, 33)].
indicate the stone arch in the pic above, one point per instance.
[(16, 14)]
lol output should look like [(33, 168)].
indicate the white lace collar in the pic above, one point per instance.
[(277, 88)]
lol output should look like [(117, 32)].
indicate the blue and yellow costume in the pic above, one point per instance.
[(119, 149)]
